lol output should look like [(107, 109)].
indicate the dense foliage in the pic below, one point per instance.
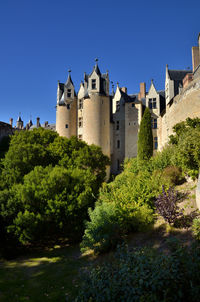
[(145, 137), (145, 275), (47, 184), (196, 228)]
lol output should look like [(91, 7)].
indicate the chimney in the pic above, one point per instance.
[(11, 122), (124, 89), (38, 122), (195, 57), (142, 92)]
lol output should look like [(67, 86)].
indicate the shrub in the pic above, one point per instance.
[(145, 275), (166, 205), (196, 228), (173, 175), (110, 221)]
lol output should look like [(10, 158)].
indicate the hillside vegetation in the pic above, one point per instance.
[(53, 188)]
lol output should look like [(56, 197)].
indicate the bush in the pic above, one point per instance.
[(196, 228), (145, 275), (166, 205), (110, 221), (173, 175)]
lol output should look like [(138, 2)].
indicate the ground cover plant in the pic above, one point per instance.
[(145, 275)]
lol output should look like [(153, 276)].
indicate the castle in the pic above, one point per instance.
[(112, 121)]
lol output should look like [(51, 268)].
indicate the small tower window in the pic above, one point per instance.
[(118, 165), (117, 125), (152, 103), (80, 122), (154, 123), (66, 126), (118, 144), (133, 105), (117, 105), (155, 143), (68, 106), (80, 104), (80, 136), (94, 84), (69, 93)]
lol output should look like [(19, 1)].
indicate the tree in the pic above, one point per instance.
[(145, 137)]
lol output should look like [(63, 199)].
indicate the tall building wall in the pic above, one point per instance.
[(132, 114), (186, 104), (66, 119)]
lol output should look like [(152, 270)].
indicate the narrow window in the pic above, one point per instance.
[(80, 104), (80, 122), (68, 106), (117, 126), (155, 141), (66, 126), (118, 144), (69, 93), (93, 84), (118, 165), (117, 105), (80, 136), (154, 123), (133, 105)]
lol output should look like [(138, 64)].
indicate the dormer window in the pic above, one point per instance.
[(69, 93), (93, 84), (152, 103)]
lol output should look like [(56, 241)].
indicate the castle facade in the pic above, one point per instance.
[(112, 120)]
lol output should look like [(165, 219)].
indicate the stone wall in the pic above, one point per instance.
[(186, 104), (198, 193)]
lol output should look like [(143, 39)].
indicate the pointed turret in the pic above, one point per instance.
[(20, 123), (69, 90)]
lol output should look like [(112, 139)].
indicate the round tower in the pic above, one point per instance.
[(66, 109), (94, 115)]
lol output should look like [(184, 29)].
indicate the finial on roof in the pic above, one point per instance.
[(69, 70), (151, 81), (96, 60), (117, 84), (58, 81)]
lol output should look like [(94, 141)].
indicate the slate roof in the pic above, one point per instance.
[(161, 93), (128, 98), (69, 81), (178, 75)]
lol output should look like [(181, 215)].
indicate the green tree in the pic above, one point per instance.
[(145, 137)]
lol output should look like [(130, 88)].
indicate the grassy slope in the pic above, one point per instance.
[(53, 275)]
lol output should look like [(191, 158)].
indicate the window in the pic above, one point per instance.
[(66, 126), (152, 103), (80, 104), (68, 106), (69, 93), (154, 123), (80, 136), (118, 144), (80, 122), (93, 84), (117, 105), (118, 165), (117, 126), (155, 143), (133, 105)]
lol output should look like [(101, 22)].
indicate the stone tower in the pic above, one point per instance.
[(94, 110), (66, 109)]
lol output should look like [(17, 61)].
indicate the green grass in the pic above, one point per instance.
[(44, 276)]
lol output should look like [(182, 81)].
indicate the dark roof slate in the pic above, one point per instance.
[(178, 75)]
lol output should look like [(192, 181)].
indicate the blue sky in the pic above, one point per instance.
[(134, 40)]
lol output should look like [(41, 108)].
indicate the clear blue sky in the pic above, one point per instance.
[(134, 40)]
